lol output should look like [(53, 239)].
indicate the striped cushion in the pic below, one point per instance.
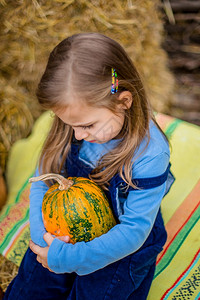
[(177, 273), (14, 218), (177, 270)]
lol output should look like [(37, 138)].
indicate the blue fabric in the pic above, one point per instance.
[(127, 277), (114, 282), (37, 229), (34, 282)]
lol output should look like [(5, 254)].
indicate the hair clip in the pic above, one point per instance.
[(114, 87)]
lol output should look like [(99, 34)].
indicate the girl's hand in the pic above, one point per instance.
[(42, 252)]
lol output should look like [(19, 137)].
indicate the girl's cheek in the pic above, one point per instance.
[(100, 132), (94, 132)]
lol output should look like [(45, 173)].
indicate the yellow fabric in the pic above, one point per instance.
[(24, 156), (180, 209), (185, 159)]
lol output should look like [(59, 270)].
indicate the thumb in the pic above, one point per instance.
[(48, 238)]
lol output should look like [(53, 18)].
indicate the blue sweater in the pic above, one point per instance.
[(137, 212)]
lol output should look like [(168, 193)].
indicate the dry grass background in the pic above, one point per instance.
[(30, 29), (8, 270)]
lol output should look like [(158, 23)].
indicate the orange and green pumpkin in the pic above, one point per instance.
[(77, 207)]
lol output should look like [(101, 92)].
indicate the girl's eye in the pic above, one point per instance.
[(87, 127)]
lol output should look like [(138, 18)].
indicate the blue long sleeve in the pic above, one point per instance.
[(37, 230), (140, 210)]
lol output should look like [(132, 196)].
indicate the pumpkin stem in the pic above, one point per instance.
[(64, 183)]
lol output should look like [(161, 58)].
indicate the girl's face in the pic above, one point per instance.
[(95, 125)]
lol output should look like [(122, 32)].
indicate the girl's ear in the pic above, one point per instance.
[(126, 96)]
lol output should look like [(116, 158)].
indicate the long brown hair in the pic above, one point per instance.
[(81, 65)]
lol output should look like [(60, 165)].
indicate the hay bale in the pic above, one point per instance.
[(30, 29), (8, 270), (18, 111)]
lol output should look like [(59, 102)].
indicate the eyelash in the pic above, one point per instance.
[(84, 127)]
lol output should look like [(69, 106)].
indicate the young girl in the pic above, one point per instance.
[(104, 130)]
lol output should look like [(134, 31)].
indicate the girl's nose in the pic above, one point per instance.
[(80, 134)]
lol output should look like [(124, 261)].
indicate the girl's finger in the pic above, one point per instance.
[(35, 248), (38, 259), (48, 238), (65, 238), (46, 267)]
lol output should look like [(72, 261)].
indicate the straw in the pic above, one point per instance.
[(30, 29), (8, 270)]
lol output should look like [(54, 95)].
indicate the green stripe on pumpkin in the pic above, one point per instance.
[(64, 202)]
